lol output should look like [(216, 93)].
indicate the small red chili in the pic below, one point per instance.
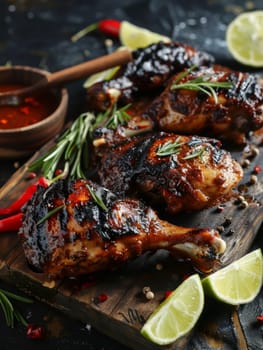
[(260, 319), (11, 223), (24, 197), (35, 332), (257, 169), (106, 26)]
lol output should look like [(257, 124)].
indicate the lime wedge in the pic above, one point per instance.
[(135, 37), (239, 282), (100, 76), (178, 314), (244, 38)]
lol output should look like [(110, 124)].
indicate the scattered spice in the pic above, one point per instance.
[(149, 295), (220, 229), (31, 175), (101, 298), (146, 290), (243, 204), (159, 267), (253, 179), (35, 332), (220, 208), (257, 169), (227, 222), (245, 163)]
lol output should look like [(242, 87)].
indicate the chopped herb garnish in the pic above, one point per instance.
[(50, 213), (169, 148), (201, 83), (199, 153), (96, 198)]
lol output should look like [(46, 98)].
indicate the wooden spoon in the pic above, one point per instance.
[(63, 76)]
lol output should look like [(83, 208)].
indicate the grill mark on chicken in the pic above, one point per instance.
[(82, 237), (238, 112), (172, 182), (148, 72)]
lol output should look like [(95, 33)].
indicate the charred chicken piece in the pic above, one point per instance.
[(83, 236), (237, 111), (147, 73), (175, 172)]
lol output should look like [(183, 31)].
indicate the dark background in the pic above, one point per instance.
[(37, 33)]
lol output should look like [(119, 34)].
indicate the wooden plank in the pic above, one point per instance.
[(126, 308)]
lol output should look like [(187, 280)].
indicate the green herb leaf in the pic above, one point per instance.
[(96, 198), (198, 153), (71, 150), (169, 148), (50, 213), (8, 309), (202, 83)]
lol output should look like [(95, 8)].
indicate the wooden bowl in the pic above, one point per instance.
[(23, 141)]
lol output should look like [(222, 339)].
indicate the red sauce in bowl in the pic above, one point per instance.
[(31, 111)]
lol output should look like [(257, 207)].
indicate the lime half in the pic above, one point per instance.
[(239, 282), (178, 314), (135, 37), (244, 38)]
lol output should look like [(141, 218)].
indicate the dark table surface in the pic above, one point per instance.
[(37, 33)]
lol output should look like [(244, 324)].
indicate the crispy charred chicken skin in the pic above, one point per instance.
[(175, 172), (147, 73), (237, 111), (83, 236)]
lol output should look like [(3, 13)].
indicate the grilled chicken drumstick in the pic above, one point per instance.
[(230, 115), (77, 227), (148, 72), (175, 172)]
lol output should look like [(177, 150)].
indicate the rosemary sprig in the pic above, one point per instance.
[(112, 118), (50, 213), (10, 313), (201, 83), (96, 198), (199, 153), (71, 149), (169, 148)]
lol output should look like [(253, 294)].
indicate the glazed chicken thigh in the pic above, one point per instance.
[(174, 172), (148, 72), (230, 115), (78, 227)]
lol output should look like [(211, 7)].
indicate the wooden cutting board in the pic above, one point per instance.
[(122, 315)]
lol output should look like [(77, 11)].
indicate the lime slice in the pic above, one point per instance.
[(100, 76), (135, 37), (244, 38), (177, 315), (239, 282)]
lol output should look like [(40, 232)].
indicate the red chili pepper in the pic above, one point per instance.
[(24, 197), (106, 26), (35, 332), (260, 319), (11, 223), (110, 26)]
